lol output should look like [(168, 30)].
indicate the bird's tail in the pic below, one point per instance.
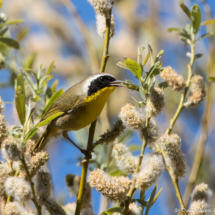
[(40, 144)]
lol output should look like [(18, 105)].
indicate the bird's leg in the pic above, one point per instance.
[(85, 152)]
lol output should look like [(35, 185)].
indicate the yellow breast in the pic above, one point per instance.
[(85, 114)]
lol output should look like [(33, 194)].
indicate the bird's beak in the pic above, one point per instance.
[(117, 83)]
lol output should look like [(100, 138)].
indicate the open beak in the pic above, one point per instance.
[(117, 83)]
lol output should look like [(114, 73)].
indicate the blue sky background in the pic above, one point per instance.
[(63, 157)]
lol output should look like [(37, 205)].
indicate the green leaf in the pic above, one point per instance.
[(146, 59), (20, 82), (113, 210), (30, 134), (150, 201), (44, 80), (185, 9), (134, 147), (53, 98), (46, 121), (54, 85), (20, 104), (29, 62), (117, 173), (122, 65), (10, 42), (3, 31), (195, 18), (173, 29), (159, 55), (204, 35), (154, 71), (198, 56), (21, 34), (158, 193), (212, 79), (12, 22), (142, 202), (134, 67), (163, 85), (151, 54), (208, 22), (142, 93), (50, 68), (1, 2)]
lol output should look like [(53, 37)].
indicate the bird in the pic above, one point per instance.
[(81, 105)]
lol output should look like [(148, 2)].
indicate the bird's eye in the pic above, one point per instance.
[(102, 79)]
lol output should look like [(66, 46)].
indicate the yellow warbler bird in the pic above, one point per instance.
[(81, 104)]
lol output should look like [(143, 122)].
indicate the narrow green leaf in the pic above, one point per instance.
[(3, 31), (21, 34), (150, 51), (159, 55), (142, 202), (50, 68), (158, 193), (31, 133), (195, 18), (20, 104), (53, 98), (12, 22), (20, 82), (163, 85), (204, 36), (198, 56), (113, 210), (173, 29), (212, 79), (134, 67), (122, 65), (46, 121), (10, 42), (146, 59), (208, 22), (142, 93), (29, 62), (54, 86), (46, 81), (117, 173), (134, 147), (153, 71), (150, 201), (185, 8)]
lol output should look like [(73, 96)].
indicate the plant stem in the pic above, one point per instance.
[(183, 95), (85, 163), (175, 183), (132, 188), (34, 199), (106, 43), (85, 33)]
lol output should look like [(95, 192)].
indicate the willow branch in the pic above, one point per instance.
[(85, 33), (34, 199), (85, 162), (205, 123), (132, 188)]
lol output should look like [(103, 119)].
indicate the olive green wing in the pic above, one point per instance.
[(65, 103)]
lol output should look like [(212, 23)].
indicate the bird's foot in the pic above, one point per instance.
[(87, 153)]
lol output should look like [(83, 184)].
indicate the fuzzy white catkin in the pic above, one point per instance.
[(18, 188), (101, 25), (13, 208), (102, 7), (150, 170), (124, 159)]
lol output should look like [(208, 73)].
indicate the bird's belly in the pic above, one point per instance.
[(83, 115)]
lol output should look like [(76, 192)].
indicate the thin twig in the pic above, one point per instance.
[(132, 188), (85, 33), (34, 199), (85, 162)]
